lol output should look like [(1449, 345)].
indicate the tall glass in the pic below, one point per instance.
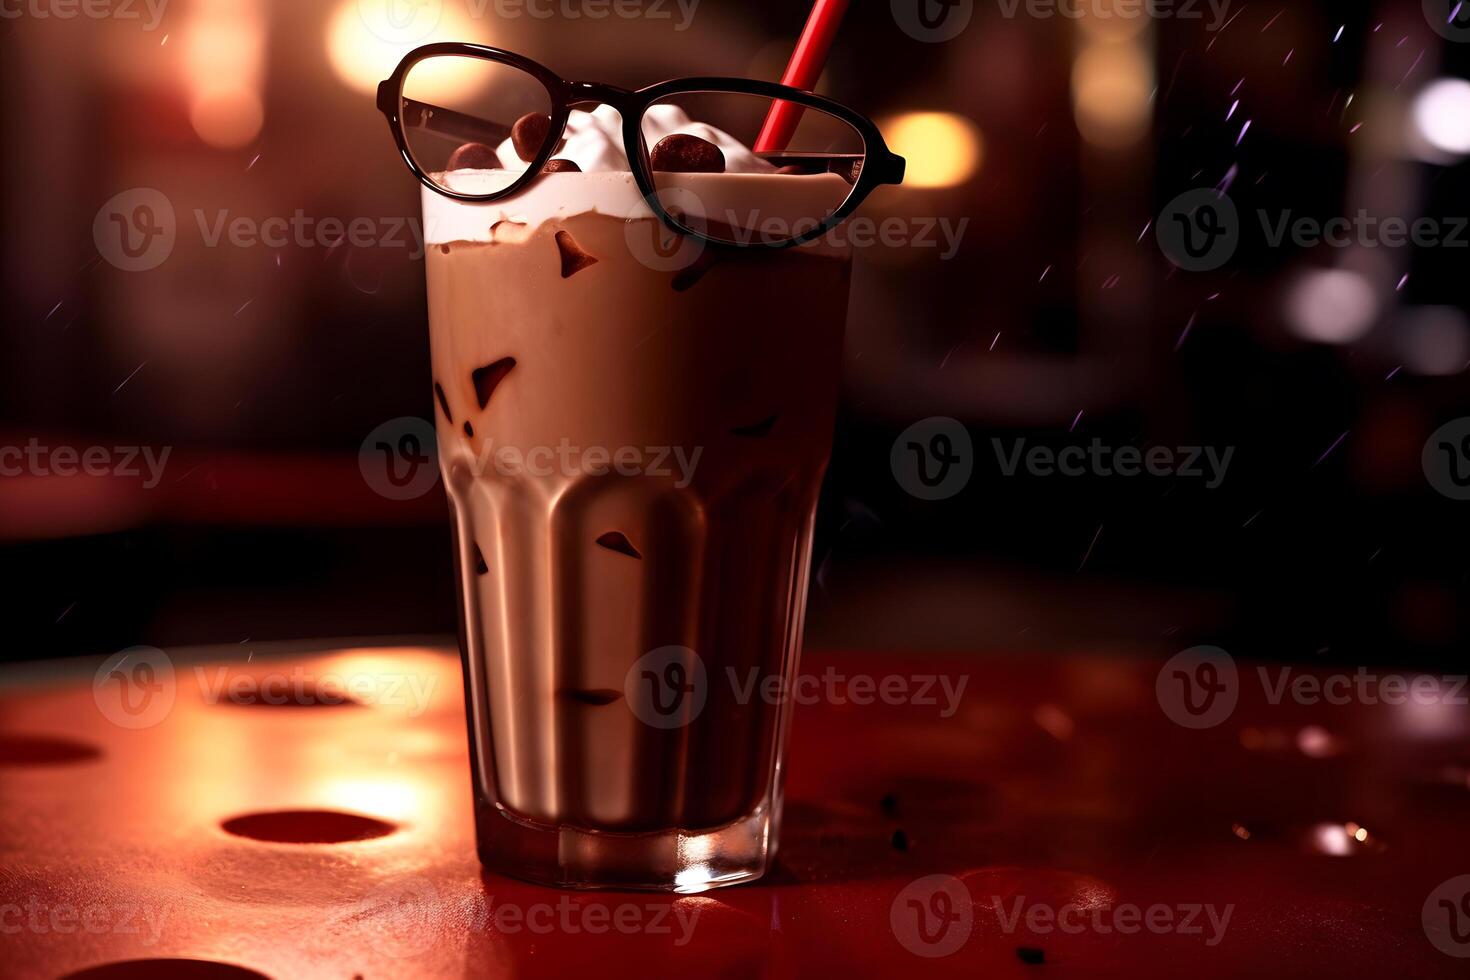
[(633, 429)]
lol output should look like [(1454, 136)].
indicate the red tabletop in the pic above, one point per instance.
[(1055, 822)]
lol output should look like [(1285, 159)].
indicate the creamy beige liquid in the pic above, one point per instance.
[(740, 367)]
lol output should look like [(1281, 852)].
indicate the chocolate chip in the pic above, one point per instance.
[(900, 841), (480, 567), (1030, 955), (486, 378), (616, 541), (757, 429), (529, 133), (444, 248), (560, 166), (469, 430), (473, 156), (594, 698), (443, 402), (573, 258), (686, 154)]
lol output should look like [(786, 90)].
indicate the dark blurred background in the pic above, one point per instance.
[(1056, 318)]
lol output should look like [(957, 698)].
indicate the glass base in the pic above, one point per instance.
[(682, 861)]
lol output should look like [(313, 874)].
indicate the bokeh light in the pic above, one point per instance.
[(363, 53), (1111, 86), (227, 118), (1433, 340), (223, 59), (942, 149), (1331, 306), (1441, 115)]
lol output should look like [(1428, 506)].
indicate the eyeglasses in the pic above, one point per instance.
[(450, 105)]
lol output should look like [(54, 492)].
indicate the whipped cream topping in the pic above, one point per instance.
[(594, 141)]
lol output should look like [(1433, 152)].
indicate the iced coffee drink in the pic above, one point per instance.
[(633, 456), (635, 370)]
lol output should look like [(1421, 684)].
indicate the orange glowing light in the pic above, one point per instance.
[(942, 149), (228, 118), (367, 38), (223, 52), (1112, 86)]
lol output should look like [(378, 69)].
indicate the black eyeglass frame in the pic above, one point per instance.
[(879, 164)]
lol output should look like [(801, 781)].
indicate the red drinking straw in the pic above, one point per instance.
[(802, 72)]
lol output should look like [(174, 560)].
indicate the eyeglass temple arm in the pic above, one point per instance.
[(413, 114)]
